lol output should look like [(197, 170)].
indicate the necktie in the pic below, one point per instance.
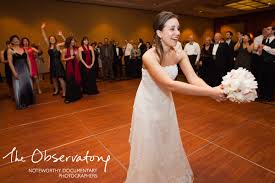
[(267, 41)]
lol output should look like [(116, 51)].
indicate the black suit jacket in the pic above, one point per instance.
[(119, 55), (232, 54), (110, 51), (143, 49), (223, 59), (231, 45)]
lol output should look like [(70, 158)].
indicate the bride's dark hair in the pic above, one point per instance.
[(159, 23)]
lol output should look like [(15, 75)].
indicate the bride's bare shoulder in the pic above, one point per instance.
[(151, 53), (150, 57), (181, 55)]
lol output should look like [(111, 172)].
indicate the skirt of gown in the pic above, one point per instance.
[(23, 88), (73, 90), (157, 154), (88, 80)]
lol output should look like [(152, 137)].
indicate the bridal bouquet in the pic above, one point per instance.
[(240, 86)]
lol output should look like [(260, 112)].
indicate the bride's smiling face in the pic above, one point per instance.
[(170, 32)]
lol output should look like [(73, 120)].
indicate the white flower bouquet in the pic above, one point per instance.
[(240, 86)]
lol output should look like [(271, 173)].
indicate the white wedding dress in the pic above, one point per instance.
[(157, 154)]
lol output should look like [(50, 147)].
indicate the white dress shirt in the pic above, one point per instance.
[(128, 49), (193, 49), (257, 41), (215, 48), (178, 47), (117, 51)]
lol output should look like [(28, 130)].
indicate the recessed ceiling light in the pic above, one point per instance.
[(249, 4)]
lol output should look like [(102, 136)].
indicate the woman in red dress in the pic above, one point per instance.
[(73, 78)]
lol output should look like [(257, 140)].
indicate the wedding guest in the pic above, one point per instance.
[(107, 55), (73, 76), (118, 54), (42, 68), (207, 68), (141, 46), (20, 66), (57, 71), (267, 71), (221, 58), (94, 46), (256, 55), (148, 45), (99, 60), (192, 49), (231, 44), (127, 53), (244, 56), (8, 72), (87, 67), (135, 58), (31, 51)]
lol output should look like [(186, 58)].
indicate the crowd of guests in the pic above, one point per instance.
[(219, 55), (75, 69)]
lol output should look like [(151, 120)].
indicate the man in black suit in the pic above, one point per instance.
[(118, 53), (107, 55), (221, 58), (267, 68), (231, 44), (142, 47)]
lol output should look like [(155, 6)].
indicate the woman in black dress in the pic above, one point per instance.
[(56, 67), (8, 73), (73, 77), (20, 67), (207, 66), (87, 67), (244, 56)]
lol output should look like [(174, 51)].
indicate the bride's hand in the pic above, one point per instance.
[(218, 94)]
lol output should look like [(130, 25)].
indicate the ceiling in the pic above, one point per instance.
[(202, 8)]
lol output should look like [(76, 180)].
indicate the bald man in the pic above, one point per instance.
[(221, 57), (193, 51)]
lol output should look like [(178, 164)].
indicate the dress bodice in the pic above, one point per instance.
[(171, 70), (54, 54), (19, 59)]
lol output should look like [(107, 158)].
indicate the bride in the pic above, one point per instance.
[(157, 154)]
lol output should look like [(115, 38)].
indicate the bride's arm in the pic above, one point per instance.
[(189, 72), (163, 80)]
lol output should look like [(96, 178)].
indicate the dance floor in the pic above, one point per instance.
[(224, 142)]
